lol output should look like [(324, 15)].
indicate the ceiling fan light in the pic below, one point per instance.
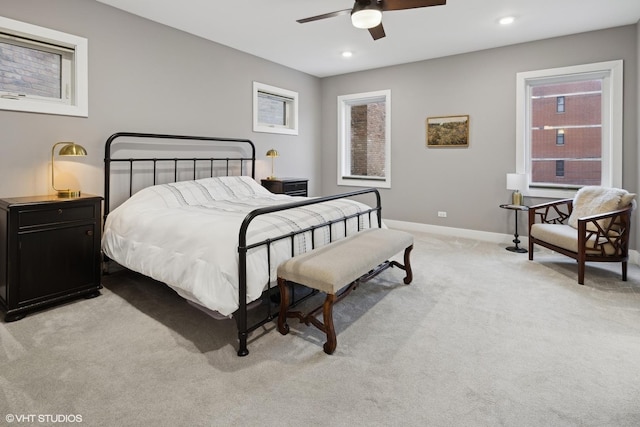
[(367, 16), (507, 20)]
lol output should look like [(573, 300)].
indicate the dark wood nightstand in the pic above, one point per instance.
[(49, 251), (288, 186)]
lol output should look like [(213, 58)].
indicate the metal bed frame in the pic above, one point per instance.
[(179, 164)]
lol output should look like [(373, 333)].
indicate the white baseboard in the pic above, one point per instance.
[(498, 238), (455, 232)]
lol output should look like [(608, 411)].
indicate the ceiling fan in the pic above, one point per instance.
[(367, 14)]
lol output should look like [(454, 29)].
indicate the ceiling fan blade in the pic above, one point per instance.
[(377, 32), (324, 16), (410, 4)]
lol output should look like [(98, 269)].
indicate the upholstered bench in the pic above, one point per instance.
[(336, 269)]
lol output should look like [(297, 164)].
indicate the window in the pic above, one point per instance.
[(560, 104), (275, 110), (586, 139), (364, 139), (42, 70)]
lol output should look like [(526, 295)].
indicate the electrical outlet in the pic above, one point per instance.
[(442, 214)]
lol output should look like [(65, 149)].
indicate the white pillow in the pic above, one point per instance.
[(198, 192), (593, 200)]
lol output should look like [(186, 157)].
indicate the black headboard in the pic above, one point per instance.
[(238, 159)]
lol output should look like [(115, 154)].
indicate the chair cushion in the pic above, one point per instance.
[(566, 237), (593, 200)]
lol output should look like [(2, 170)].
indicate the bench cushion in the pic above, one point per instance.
[(331, 267)]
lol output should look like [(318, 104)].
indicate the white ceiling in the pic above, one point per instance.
[(268, 28)]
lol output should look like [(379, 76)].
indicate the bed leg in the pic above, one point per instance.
[(243, 334), (242, 349), (241, 318)]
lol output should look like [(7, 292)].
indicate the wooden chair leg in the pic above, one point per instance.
[(327, 313), (283, 327), (624, 271), (407, 265)]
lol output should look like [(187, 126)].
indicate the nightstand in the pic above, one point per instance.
[(288, 186), (49, 251)]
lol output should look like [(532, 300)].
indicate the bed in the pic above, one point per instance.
[(188, 212)]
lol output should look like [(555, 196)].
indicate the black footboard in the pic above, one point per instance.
[(241, 315)]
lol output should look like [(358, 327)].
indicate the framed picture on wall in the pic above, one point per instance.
[(448, 131)]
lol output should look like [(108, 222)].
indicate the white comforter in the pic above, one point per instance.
[(185, 234)]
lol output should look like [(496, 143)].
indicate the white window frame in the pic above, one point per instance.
[(290, 99), (344, 139), (612, 110), (75, 90)]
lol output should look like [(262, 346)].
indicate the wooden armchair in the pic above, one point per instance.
[(601, 235)]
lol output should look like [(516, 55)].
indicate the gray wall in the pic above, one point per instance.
[(469, 183), (145, 77)]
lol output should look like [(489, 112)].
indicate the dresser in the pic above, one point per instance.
[(288, 186), (49, 251)]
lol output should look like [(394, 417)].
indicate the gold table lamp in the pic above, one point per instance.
[(273, 154), (69, 149)]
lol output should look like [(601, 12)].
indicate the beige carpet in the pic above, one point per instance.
[(483, 337)]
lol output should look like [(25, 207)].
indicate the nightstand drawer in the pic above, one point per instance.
[(288, 186), (302, 193), (295, 187), (29, 218)]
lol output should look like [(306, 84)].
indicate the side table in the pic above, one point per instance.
[(516, 241)]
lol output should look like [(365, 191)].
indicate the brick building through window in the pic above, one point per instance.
[(566, 129), (368, 139), (28, 71), (364, 139)]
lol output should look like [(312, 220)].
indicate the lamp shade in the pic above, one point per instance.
[(272, 153), (72, 149), (366, 15), (516, 181)]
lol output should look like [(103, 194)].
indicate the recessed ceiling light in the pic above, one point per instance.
[(507, 20), (347, 54)]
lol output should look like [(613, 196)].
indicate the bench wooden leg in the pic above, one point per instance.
[(406, 267), (283, 327), (327, 313)]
